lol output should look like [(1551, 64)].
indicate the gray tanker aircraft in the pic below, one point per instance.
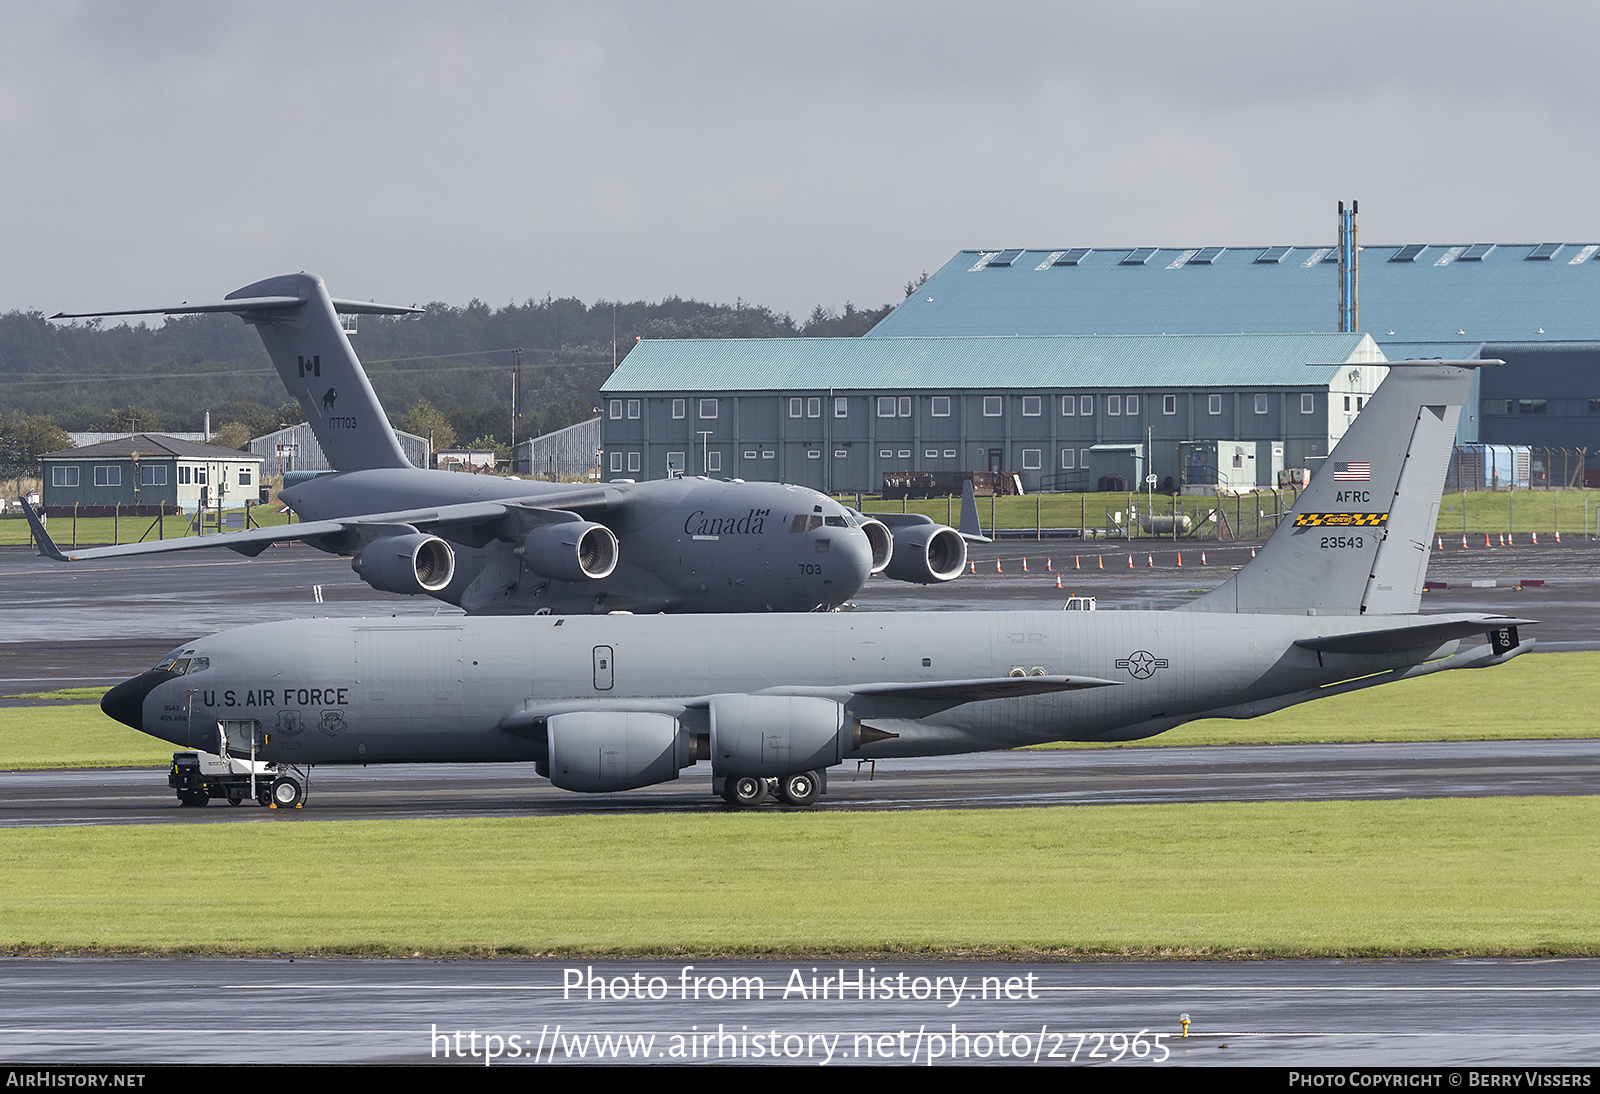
[(498, 546), (613, 702)]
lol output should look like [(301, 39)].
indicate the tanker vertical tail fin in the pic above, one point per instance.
[(1356, 541)]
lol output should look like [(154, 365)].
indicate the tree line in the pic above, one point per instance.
[(448, 369)]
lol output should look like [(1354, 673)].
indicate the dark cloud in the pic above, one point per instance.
[(787, 154)]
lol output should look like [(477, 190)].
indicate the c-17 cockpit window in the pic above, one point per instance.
[(804, 523), (837, 522)]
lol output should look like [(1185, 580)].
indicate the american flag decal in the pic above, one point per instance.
[(1352, 472)]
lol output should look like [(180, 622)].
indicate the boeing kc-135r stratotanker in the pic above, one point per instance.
[(614, 702), (505, 546)]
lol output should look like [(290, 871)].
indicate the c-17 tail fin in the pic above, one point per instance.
[(1356, 541), (299, 324)]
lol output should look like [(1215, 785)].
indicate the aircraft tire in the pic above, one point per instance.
[(285, 793), (746, 791), (801, 788)]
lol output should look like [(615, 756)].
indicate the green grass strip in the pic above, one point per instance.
[(1444, 876)]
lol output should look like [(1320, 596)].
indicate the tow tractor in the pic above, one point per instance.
[(235, 774)]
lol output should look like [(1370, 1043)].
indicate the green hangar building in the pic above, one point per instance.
[(1535, 306), (1061, 411)]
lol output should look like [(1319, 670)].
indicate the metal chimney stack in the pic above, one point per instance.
[(1349, 273)]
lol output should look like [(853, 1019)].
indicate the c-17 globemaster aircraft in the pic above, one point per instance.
[(607, 703), (505, 546)]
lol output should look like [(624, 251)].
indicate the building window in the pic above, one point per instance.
[(939, 406), (991, 406), (949, 453), (1308, 403), (244, 476), (841, 453), (633, 461), (813, 454), (1346, 403), (1133, 405), (184, 476), (616, 462), (708, 408), (930, 453), (1083, 459), (769, 455), (904, 454), (64, 476), (1214, 404), (156, 475), (200, 476), (813, 408), (1032, 406), (1032, 459), (674, 464), (633, 408), (905, 406), (1069, 406), (1068, 462), (841, 408), (749, 453), (1524, 406), (796, 408), (713, 460), (1113, 406), (885, 453), (886, 406), (1169, 404), (616, 410), (108, 476), (678, 408), (1261, 404), (1086, 405)]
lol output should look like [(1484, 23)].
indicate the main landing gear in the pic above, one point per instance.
[(799, 789)]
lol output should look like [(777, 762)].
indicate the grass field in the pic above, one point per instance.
[(1546, 696), (1490, 875), (1493, 512)]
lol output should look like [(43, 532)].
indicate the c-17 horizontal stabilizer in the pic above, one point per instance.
[(298, 323)]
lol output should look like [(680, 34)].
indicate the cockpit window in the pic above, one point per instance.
[(180, 666), (837, 522)]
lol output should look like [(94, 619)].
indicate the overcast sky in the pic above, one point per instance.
[(787, 154)]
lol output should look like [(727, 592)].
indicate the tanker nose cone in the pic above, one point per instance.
[(125, 702)]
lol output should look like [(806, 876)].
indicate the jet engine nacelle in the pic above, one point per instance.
[(600, 751), (882, 541), (573, 550), (926, 554), (417, 563), (775, 735)]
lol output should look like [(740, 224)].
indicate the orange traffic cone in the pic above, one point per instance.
[(1203, 561), (1441, 542), (1463, 539), (1536, 539), (972, 567), (1149, 560), (1077, 562), (1130, 562), (1486, 542), (1180, 558), (1252, 552), (1024, 565), (1058, 581), (997, 565), (1558, 535), (1102, 559)]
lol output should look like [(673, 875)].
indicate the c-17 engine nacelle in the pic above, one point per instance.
[(416, 563), (573, 550), (596, 751), (926, 554)]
